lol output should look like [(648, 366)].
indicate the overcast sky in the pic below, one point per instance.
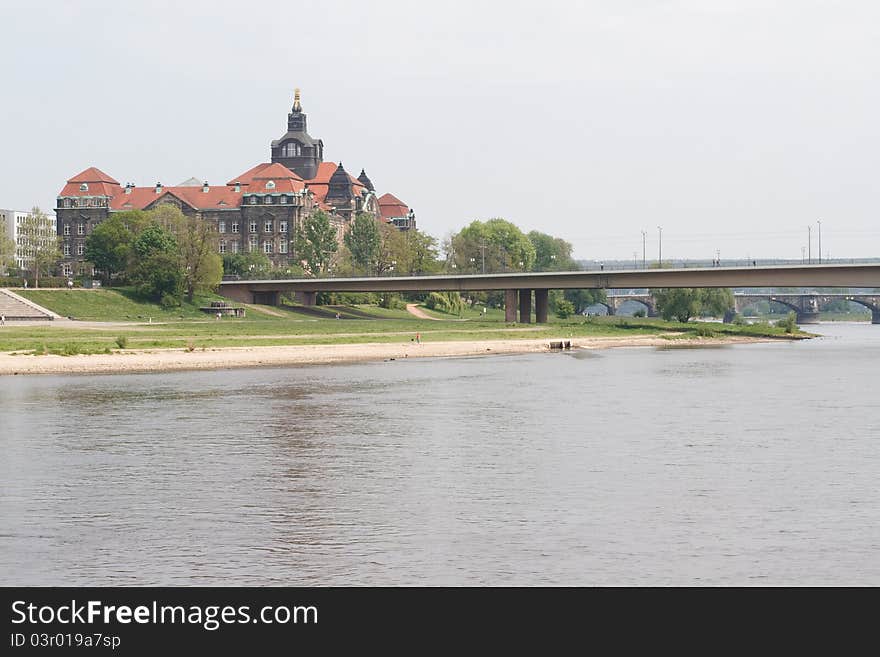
[(733, 124)]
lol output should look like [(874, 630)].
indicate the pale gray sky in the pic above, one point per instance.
[(733, 124)]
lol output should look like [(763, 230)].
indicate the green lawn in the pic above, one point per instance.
[(187, 327)]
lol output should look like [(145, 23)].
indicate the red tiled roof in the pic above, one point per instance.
[(390, 206), (248, 175), (93, 175), (319, 184), (285, 180), (97, 182), (142, 197)]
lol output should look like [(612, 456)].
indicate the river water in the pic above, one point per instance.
[(747, 464)]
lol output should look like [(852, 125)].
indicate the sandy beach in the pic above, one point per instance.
[(162, 360)]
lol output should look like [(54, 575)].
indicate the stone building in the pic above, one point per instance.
[(258, 210)]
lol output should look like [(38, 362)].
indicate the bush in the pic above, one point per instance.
[(705, 331), (121, 341), (641, 312), (789, 323), (564, 309), (739, 320)]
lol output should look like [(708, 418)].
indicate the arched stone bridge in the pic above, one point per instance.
[(807, 305)]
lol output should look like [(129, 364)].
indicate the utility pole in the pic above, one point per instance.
[(803, 254), (644, 256), (660, 248), (483, 254), (809, 244), (718, 257), (819, 221)]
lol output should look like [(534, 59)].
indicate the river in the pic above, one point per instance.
[(739, 465)]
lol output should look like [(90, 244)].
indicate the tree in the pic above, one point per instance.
[(551, 253), (38, 244), (7, 247), (392, 254), (247, 265), (315, 242), (363, 241), (492, 246), (109, 247), (200, 264), (155, 268), (422, 250), (682, 303)]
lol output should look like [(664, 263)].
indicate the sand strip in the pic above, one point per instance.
[(162, 360)]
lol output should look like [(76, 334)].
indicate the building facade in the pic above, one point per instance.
[(18, 228), (258, 210)]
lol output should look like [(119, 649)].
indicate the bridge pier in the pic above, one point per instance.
[(807, 317), (510, 301), (875, 316), (525, 306), (307, 298), (542, 306)]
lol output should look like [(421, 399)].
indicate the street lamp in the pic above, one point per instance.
[(660, 247), (819, 221), (644, 256), (809, 243)]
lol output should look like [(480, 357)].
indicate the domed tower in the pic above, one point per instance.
[(296, 149)]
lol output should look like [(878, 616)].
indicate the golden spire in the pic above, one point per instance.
[(296, 106)]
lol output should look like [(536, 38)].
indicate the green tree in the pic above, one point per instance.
[(155, 267), (492, 246), (247, 265), (38, 244), (7, 247), (551, 253), (422, 249), (682, 303), (564, 309), (363, 241), (109, 247), (315, 243)]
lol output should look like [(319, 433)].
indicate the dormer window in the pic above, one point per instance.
[(270, 184), (268, 200), (253, 200), (83, 187), (282, 200)]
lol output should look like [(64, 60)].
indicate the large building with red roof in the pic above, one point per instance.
[(258, 210)]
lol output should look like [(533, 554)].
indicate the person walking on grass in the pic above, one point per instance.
[(2, 320)]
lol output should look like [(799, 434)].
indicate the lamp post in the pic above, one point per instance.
[(660, 247), (644, 256), (819, 222), (809, 244)]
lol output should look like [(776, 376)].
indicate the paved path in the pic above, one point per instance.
[(413, 309)]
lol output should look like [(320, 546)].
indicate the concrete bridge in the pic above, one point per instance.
[(519, 288)]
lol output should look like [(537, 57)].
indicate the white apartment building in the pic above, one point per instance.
[(12, 221)]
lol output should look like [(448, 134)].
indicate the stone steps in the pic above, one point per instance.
[(14, 308)]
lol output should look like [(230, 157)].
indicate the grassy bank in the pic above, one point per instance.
[(188, 328)]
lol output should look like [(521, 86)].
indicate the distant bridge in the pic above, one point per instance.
[(805, 304), (518, 287)]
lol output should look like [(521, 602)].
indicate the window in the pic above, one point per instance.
[(282, 227), (270, 184), (235, 227), (290, 149), (268, 200), (282, 200), (221, 227), (253, 200), (235, 247), (80, 229), (67, 249), (67, 229), (282, 248), (66, 203), (268, 226), (267, 247), (80, 249), (67, 270), (222, 246), (83, 187), (253, 226), (252, 245)]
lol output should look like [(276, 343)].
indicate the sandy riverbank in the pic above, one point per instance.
[(163, 360)]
